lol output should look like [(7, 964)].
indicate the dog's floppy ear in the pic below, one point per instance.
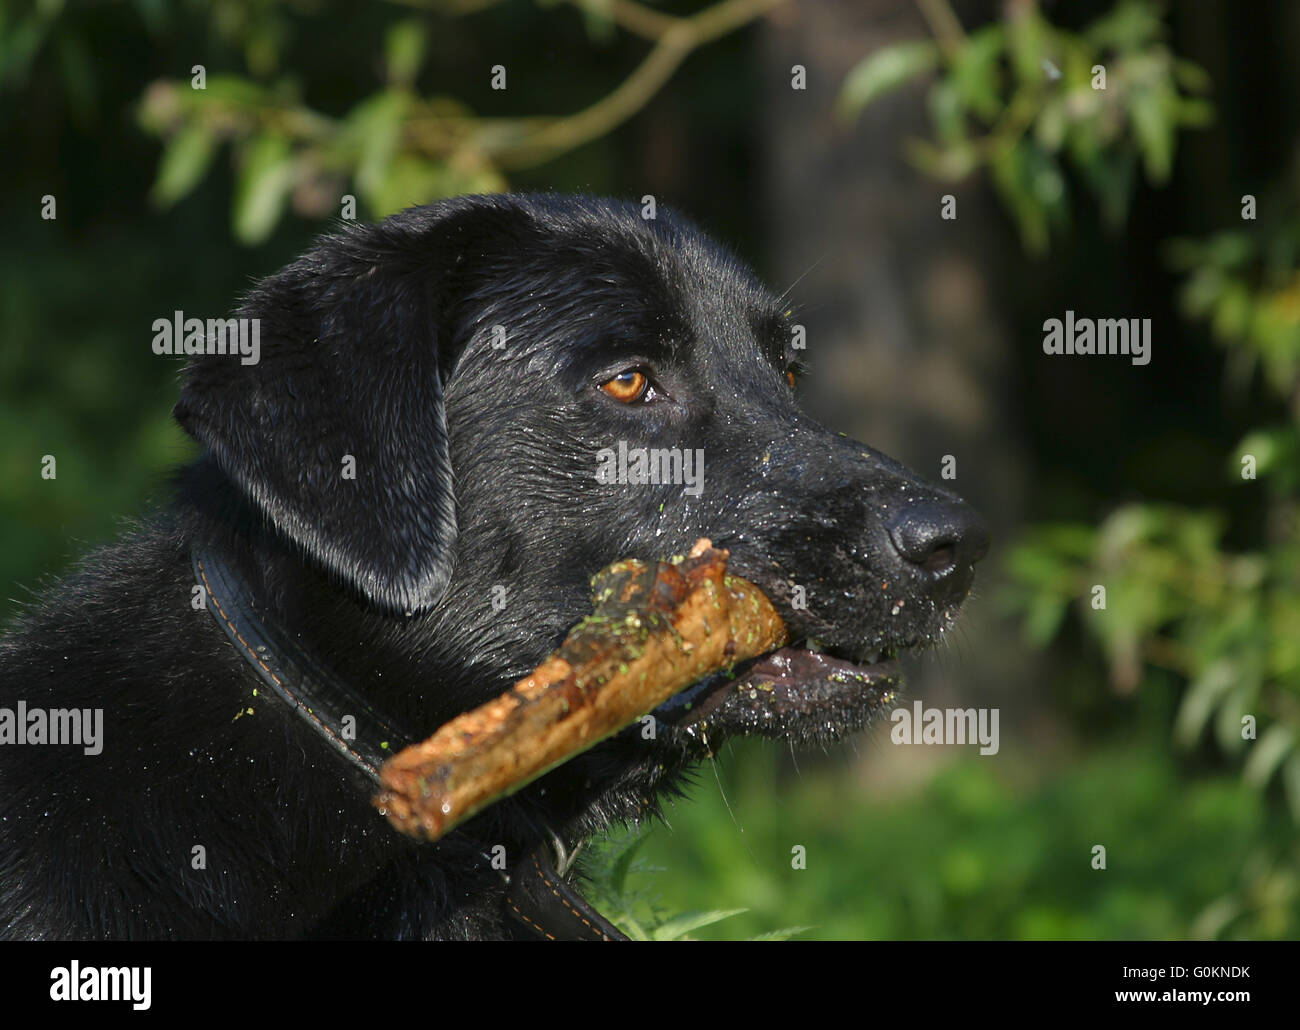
[(338, 432)]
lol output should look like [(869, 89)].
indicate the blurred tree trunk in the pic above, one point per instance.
[(908, 349)]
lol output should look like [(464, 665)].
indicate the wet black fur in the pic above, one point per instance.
[(475, 469)]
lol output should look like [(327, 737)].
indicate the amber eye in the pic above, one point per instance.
[(789, 378), (628, 387)]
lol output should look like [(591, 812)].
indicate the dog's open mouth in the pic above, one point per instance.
[(803, 690)]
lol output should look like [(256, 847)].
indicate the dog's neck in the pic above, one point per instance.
[(537, 897), (330, 708)]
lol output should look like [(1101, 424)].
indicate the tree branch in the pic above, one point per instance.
[(677, 38), (944, 25)]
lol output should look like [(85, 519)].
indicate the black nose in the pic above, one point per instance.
[(941, 541)]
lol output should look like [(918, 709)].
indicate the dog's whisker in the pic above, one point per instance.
[(808, 271), (722, 792)]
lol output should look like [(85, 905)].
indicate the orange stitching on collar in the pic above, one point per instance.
[(535, 926), (565, 901)]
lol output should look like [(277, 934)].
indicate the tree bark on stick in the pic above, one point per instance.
[(656, 628)]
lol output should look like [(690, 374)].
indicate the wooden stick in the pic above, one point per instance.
[(655, 629)]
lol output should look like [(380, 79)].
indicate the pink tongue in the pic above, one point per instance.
[(797, 664)]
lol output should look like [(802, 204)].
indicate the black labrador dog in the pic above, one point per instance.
[(455, 417)]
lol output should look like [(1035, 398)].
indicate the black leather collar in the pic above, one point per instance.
[(320, 699), (547, 907), (538, 897)]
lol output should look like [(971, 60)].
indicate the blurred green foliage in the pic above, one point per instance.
[(1022, 97), (980, 852), (393, 148), (610, 871), (1227, 621), (1247, 286), (1017, 99), (67, 375)]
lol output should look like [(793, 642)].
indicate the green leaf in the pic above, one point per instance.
[(949, 164), (679, 926), (1214, 919), (600, 26), (882, 72), (1111, 174), (783, 934), (617, 878), (1194, 113), (1043, 620), (1231, 250), (948, 113), (404, 50), (410, 179), (977, 72), (1274, 450), (406, 181), (19, 43), (1051, 125), (262, 187), (1029, 43), (1269, 752), (1200, 294), (1240, 701), (1191, 76), (1015, 169), (233, 90), (1291, 782), (1152, 116), (1233, 312), (184, 161), (1131, 25), (1201, 699), (373, 130)]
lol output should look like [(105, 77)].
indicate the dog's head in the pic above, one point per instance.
[(529, 388)]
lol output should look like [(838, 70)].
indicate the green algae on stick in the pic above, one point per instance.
[(655, 629)]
